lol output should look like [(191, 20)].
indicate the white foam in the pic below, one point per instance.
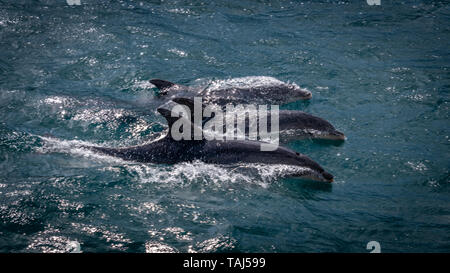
[(216, 243), (180, 11), (142, 85), (57, 100), (246, 82), (116, 240), (417, 166), (157, 247), (50, 240), (178, 52), (75, 147)]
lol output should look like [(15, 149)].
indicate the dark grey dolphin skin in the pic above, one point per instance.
[(170, 151), (292, 124), (267, 94)]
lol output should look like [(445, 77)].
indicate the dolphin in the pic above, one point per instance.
[(166, 150), (292, 124), (272, 92)]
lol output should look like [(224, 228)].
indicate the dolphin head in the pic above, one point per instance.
[(298, 93), (326, 177), (333, 135), (281, 92), (311, 174), (314, 126), (309, 169)]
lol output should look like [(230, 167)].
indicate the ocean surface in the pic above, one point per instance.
[(73, 75)]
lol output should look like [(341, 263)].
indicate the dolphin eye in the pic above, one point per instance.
[(297, 153)]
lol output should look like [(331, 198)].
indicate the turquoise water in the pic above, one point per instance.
[(80, 73)]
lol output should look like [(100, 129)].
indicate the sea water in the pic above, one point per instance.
[(74, 75)]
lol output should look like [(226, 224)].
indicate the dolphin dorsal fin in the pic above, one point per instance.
[(162, 84), (188, 102), (167, 114)]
